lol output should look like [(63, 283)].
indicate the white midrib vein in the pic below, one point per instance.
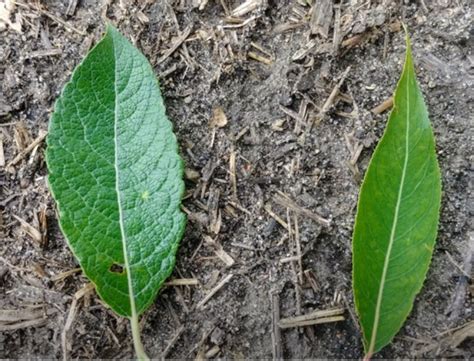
[(134, 317), (373, 337)]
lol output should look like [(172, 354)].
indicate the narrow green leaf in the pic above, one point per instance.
[(397, 216), (115, 173)]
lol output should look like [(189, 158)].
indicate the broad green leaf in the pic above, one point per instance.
[(115, 173), (397, 216)]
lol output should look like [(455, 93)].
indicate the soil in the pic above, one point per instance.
[(276, 141)]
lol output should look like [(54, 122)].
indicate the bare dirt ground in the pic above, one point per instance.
[(260, 182)]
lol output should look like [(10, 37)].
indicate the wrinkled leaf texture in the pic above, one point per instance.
[(115, 173), (397, 216)]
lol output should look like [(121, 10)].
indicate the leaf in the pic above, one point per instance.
[(397, 217), (115, 173)]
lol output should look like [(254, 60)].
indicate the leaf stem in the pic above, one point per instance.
[(137, 342)]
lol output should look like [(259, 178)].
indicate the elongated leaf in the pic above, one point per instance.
[(397, 217), (116, 175)]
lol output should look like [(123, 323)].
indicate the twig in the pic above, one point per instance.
[(182, 282), (24, 324), (62, 22), (172, 342), (313, 318), (219, 251), (336, 39), (180, 39), (2, 154), (253, 55), (327, 105), (63, 275), (330, 100), (202, 340), (298, 249), (293, 268), (275, 217), (312, 322), (29, 148), (29, 229), (283, 200), (276, 333), (69, 320), (246, 7), (214, 290), (351, 312), (288, 259), (451, 259)]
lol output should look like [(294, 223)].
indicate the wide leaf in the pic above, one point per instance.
[(115, 173), (397, 216)]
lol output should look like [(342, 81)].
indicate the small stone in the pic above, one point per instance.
[(217, 336)]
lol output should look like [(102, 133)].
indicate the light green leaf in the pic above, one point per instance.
[(397, 217), (115, 173)]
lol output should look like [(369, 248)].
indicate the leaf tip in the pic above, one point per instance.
[(408, 44), (110, 28)]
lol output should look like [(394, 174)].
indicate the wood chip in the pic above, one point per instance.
[(304, 50), (44, 53), (28, 149), (218, 119), (386, 104), (213, 351), (321, 17), (30, 230), (353, 41), (85, 290), (246, 7), (233, 173), (71, 7), (253, 55), (20, 315)]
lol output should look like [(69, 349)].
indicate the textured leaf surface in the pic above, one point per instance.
[(116, 175), (397, 217)]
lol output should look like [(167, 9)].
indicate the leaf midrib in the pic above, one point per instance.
[(128, 272), (373, 337)]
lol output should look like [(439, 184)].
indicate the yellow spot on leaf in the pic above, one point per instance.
[(145, 195)]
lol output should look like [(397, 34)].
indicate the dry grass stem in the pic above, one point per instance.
[(315, 317), (214, 291)]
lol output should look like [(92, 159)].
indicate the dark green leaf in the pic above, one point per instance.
[(397, 216), (116, 175)]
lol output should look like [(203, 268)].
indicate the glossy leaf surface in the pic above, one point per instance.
[(115, 173), (397, 217)]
